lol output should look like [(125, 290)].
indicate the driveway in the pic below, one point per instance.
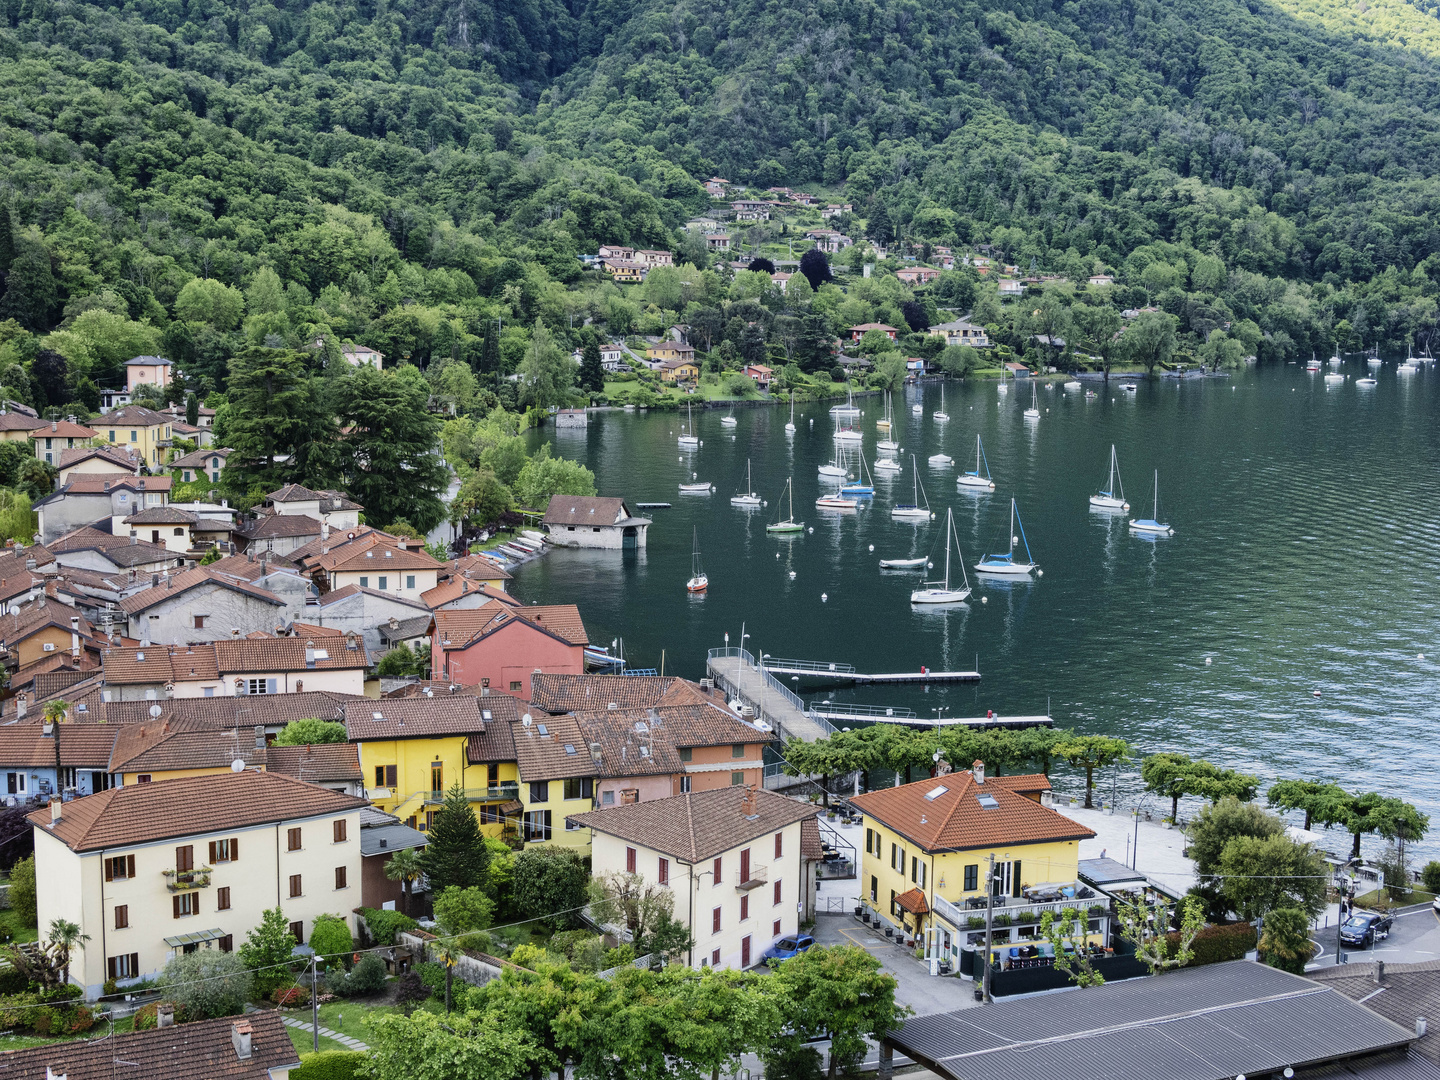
[(1415, 937), (923, 992)]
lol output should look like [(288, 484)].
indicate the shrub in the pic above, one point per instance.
[(410, 992), (207, 983), (1431, 877), (22, 890), (432, 975), (290, 997), (54, 1012), (331, 940), (1216, 944), (367, 977), (384, 925), (329, 1065)]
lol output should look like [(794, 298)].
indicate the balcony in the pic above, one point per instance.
[(1014, 911), (188, 880), (754, 881)]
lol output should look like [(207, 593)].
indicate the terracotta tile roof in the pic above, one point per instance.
[(63, 429), (954, 820), (698, 825), (811, 849), (246, 711), (284, 654), (309, 631), (81, 483), (363, 536), (76, 455), (460, 628), (201, 1050), (321, 764), (708, 724), (162, 515), (345, 593), (248, 569), (450, 590), (82, 746), (913, 901), (480, 568), (201, 458), (576, 693), (10, 420), (162, 745), (414, 717), (629, 742), (543, 755), (117, 549), (270, 526), (330, 501), (35, 617), (497, 741), (188, 580), (145, 813), (375, 557), (577, 510), (136, 415), (145, 665)]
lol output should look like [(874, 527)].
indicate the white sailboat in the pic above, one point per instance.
[(884, 423), (863, 486), (917, 409), (748, 498), (940, 413), (835, 469), (729, 421), (888, 464), (688, 439), (903, 564), (888, 446), (790, 427), (1112, 495), (1006, 565), (914, 511), (1152, 526), (836, 502), (699, 581), (1033, 412), (980, 478), (787, 524), (847, 409), (1366, 380), (940, 592), (696, 486)]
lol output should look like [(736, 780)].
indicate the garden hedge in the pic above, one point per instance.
[(1216, 944), (329, 1065)]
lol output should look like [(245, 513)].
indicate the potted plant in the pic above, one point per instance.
[(1002, 920), (1074, 801), (975, 922), (889, 931), (1166, 822)]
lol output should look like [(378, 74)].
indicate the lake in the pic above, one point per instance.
[(1303, 567)]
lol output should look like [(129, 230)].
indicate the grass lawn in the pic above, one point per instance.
[(353, 1018), (9, 920), (1417, 896), (304, 1042), (24, 1042)]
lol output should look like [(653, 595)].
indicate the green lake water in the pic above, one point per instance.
[(1305, 558)]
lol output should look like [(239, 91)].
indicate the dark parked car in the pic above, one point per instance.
[(1364, 928), (787, 947)]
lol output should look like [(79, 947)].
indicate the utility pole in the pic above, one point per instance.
[(989, 921), (314, 1004)]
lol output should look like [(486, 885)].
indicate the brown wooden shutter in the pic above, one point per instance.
[(212, 852), (110, 876), (134, 964), (175, 904), (130, 866), (110, 966), (234, 848)]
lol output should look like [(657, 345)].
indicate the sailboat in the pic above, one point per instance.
[(697, 486), (883, 424), (849, 408), (1112, 495), (835, 469), (917, 409), (729, 421), (980, 478), (888, 464), (836, 502), (913, 511), (1033, 412), (940, 413), (1335, 360), (940, 592), (787, 524), (790, 427), (688, 440), (1005, 565), (748, 498), (861, 487), (903, 564), (1152, 526), (698, 581)]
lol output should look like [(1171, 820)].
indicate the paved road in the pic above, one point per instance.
[(1415, 937), (923, 992)]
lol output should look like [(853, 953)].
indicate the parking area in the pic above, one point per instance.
[(923, 992)]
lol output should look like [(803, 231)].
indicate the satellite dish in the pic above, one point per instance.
[(238, 765), (155, 711), (525, 719)]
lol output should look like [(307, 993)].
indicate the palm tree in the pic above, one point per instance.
[(55, 713), (404, 867), (64, 937), (448, 953)]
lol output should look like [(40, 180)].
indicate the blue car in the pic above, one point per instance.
[(787, 947)]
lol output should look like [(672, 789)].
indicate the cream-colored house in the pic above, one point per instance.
[(327, 507), (386, 568), (156, 869), (739, 859)]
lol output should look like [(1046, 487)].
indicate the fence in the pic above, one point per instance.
[(641, 962), (771, 683), (476, 969)]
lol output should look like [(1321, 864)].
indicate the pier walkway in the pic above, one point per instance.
[(736, 672), (845, 712), (827, 672)]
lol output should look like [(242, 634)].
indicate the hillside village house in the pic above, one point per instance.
[(114, 460), (156, 869), (828, 240), (677, 371), (671, 350), (737, 858), (166, 526), (500, 645), (280, 534), (760, 373), (200, 465), (715, 187), (205, 417), (143, 430), (928, 846), (917, 275), (961, 332), (858, 332), (147, 371), (717, 241), (201, 605), (593, 522), (781, 280), (383, 567), (91, 498), (27, 760), (237, 667), (381, 836), (328, 507), (362, 356), (57, 436), (17, 421), (45, 628), (1102, 279), (1010, 287), (91, 549), (612, 358)]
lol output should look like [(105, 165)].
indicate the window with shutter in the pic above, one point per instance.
[(715, 921), (293, 840), (744, 866), (295, 885), (777, 892), (779, 844), (185, 858), (775, 930), (297, 931), (716, 875), (222, 898), (340, 877), (630, 860), (664, 872), (340, 834), (744, 907), (122, 916)]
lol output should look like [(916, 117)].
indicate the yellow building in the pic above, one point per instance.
[(679, 371), (928, 851), (414, 749), (557, 779), (137, 428)]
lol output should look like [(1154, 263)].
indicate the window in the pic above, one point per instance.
[(143, 778), (892, 903), (226, 943), (340, 831), (630, 860), (222, 898), (537, 825), (340, 878), (259, 686), (777, 892), (384, 583), (580, 788), (224, 850), (663, 873), (179, 532), (716, 874), (437, 777), (607, 798), (119, 868), (893, 850), (972, 877), (297, 931), (385, 776), (779, 844), (736, 779), (133, 437), (745, 951), (295, 885), (124, 966), (364, 581), (775, 929), (186, 904), (292, 840), (744, 866), (715, 958), (185, 858), (199, 622), (874, 889), (921, 882), (715, 924), (409, 581), (686, 753), (737, 750), (684, 785), (122, 916), (112, 436), (540, 791), (514, 684), (914, 868)]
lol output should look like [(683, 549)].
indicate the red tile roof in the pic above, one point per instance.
[(319, 764), (285, 654), (201, 577), (460, 628), (101, 483), (63, 429), (698, 825), (913, 901), (425, 717), (375, 557)]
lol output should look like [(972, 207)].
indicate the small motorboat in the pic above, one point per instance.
[(1334, 377), (1366, 381), (886, 464), (902, 564), (836, 502), (1129, 387), (917, 410), (696, 489), (1073, 384), (941, 461)]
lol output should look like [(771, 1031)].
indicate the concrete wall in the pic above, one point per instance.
[(362, 614), (608, 537), (69, 512), (348, 681), (172, 621), (715, 766), (608, 790)]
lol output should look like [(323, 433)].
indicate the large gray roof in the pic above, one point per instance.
[(1206, 1023)]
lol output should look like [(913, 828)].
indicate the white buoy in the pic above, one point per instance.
[(777, 555), (823, 597), (1039, 573), (792, 575), (872, 548), (1207, 661), (1420, 656), (984, 599), (811, 529), (1317, 693)]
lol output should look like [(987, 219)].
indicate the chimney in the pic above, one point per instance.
[(235, 633), (51, 1074), (164, 1015), (249, 555), (55, 810), (324, 530), (1379, 972), (259, 736), (978, 770), (75, 636), (21, 704), (1420, 1027), (134, 537), (54, 426)]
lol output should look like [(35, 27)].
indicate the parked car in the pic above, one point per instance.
[(787, 947), (1365, 928)]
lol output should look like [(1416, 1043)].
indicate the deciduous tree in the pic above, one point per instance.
[(1092, 752)]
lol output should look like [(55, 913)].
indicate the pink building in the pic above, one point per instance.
[(146, 370), (501, 646)]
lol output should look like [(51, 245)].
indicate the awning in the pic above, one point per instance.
[(913, 902), (512, 806), (196, 938)]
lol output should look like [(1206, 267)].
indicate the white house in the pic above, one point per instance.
[(361, 356), (328, 507), (201, 605), (586, 521), (961, 332)]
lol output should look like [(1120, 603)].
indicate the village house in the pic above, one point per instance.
[(960, 332), (828, 240), (18, 421), (1010, 287), (272, 573), (45, 628), (381, 836), (59, 435), (368, 613), (917, 275), (625, 270), (203, 416), (328, 507), (654, 257), (156, 750), (478, 568), (738, 859), (715, 187), (90, 549), (281, 534), (671, 350), (615, 251), (334, 766), (557, 779), (1102, 279), (612, 358), (460, 592), (100, 499), (501, 645), (760, 373), (858, 332), (114, 460), (140, 429), (384, 567), (678, 371), (717, 241), (834, 210), (147, 371), (202, 465), (269, 713), (590, 521), (781, 280), (27, 760), (152, 870), (928, 847), (166, 526), (362, 356), (201, 605), (235, 667)]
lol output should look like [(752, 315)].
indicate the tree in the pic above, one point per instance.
[(629, 900), (551, 883), (1315, 797), (546, 372), (592, 371), (456, 853), (1150, 339), (1285, 940), (761, 265), (205, 300), (51, 374), (1100, 323), (192, 409), (666, 937), (1147, 927), (710, 1022), (268, 950), (388, 447), (64, 937), (815, 267), (398, 663), (915, 316), (1372, 812), (274, 416), (31, 295), (1068, 934), (1216, 825), (1174, 775), (47, 963), (311, 732), (877, 226), (1262, 873), (544, 476), (463, 911), (332, 941), (482, 498), (405, 867), (838, 993), (206, 984), (468, 1046), (1092, 752), (22, 891)]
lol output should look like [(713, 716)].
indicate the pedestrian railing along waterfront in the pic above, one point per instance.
[(772, 684), (847, 708)]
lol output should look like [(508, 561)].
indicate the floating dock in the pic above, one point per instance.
[(840, 712), (828, 672)]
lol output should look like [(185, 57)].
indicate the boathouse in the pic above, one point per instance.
[(591, 522)]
